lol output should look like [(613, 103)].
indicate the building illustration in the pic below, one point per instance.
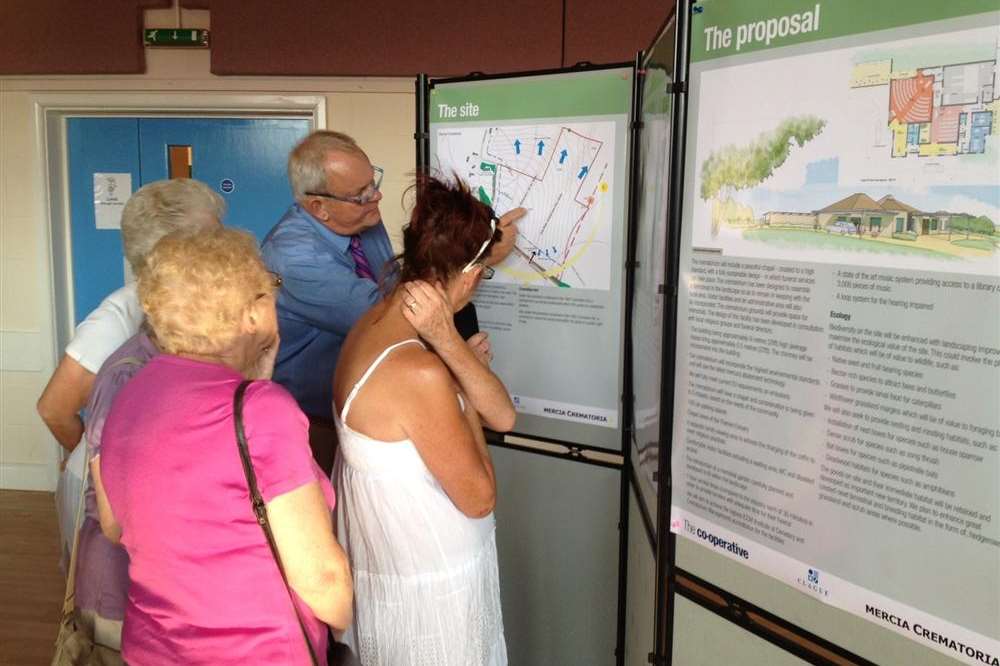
[(860, 213), (904, 166), (937, 111)]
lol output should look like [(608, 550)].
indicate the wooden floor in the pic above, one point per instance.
[(31, 585)]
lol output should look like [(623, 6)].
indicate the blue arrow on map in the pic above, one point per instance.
[(541, 146), (583, 172), (562, 156), (517, 146)]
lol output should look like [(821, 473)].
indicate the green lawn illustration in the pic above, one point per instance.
[(819, 240)]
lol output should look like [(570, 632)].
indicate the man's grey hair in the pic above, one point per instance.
[(307, 161), (164, 206)]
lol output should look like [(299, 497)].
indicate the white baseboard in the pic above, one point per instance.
[(21, 476)]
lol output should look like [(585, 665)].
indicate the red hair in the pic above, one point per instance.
[(447, 228)]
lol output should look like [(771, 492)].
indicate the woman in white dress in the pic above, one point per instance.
[(413, 474)]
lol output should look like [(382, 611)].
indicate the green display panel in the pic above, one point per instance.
[(556, 144), (836, 423)]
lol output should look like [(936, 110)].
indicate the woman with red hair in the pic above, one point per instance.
[(413, 473)]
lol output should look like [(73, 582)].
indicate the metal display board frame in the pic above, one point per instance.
[(568, 450), (424, 85), (670, 580)]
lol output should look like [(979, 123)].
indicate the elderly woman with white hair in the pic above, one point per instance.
[(190, 440), (152, 212)]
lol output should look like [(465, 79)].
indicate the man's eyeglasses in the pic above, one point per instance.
[(487, 270), (367, 196)]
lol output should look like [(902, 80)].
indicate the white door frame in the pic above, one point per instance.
[(50, 111)]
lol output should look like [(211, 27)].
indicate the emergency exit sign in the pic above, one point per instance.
[(180, 37)]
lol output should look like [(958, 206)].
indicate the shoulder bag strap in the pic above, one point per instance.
[(257, 502), (69, 600)]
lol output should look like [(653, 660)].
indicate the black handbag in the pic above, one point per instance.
[(259, 510)]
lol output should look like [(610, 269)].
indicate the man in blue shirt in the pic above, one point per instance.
[(330, 249)]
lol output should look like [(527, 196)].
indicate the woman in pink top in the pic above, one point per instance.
[(204, 587)]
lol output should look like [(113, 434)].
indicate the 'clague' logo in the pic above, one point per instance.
[(811, 583)]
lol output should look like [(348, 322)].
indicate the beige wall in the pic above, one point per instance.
[(379, 113)]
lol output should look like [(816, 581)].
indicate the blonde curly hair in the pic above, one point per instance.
[(195, 288)]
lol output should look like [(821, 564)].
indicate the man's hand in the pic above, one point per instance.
[(508, 225), (481, 347), (429, 311)]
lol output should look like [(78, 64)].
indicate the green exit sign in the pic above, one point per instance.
[(182, 37)]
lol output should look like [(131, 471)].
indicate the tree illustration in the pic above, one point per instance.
[(972, 225), (737, 167), (740, 167)]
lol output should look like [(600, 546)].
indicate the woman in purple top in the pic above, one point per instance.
[(203, 585), (102, 566)]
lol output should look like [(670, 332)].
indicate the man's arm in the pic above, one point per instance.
[(63, 398), (325, 291), (433, 319)]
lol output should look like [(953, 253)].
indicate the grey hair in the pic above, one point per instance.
[(163, 206), (307, 161)]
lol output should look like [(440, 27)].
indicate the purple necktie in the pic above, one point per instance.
[(361, 266)]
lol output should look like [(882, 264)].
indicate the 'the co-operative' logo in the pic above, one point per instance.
[(718, 542)]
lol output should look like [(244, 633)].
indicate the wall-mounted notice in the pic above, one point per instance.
[(556, 145), (111, 191), (837, 421)]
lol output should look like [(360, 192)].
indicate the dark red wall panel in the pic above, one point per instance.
[(600, 31), (440, 37), (73, 36), (336, 38)]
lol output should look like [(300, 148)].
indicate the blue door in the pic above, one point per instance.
[(243, 159), (97, 146)]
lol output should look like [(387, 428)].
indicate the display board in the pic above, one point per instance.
[(557, 523), (556, 144), (648, 287), (641, 588), (836, 422)]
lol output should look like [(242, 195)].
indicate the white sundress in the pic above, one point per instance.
[(426, 583)]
